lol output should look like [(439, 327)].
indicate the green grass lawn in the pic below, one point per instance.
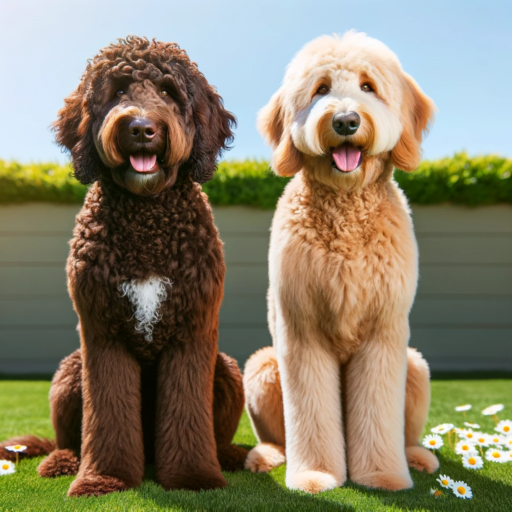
[(24, 409)]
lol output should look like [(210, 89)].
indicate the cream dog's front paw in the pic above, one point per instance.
[(312, 481), (387, 481)]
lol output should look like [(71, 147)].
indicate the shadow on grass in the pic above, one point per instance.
[(246, 491)]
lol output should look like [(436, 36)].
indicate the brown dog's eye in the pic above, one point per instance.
[(366, 87), (120, 92), (164, 93), (323, 89)]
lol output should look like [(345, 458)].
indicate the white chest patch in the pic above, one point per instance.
[(146, 298)]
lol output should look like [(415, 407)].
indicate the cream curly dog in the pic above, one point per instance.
[(343, 271)]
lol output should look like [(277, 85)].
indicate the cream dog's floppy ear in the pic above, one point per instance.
[(286, 160), (418, 113)]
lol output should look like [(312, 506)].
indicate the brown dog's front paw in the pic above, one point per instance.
[(96, 485), (194, 481), (385, 481), (59, 463), (232, 457)]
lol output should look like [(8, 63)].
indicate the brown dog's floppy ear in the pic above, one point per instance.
[(418, 113), (73, 133), (213, 124), (286, 160)]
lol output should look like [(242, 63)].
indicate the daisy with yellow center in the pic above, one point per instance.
[(432, 442), (444, 428), (462, 490), (497, 440), (436, 493), (6, 467), (468, 434), (16, 448), (465, 447), (504, 427), (493, 411), (472, 461), (495, 455), (463, 408), (445, 481), (471, 425), (508, 442), (508, 455)]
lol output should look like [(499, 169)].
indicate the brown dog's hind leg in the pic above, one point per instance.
[(228, 405), (417, 401), (264, 404), (66, 415)]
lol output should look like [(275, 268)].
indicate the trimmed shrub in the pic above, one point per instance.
[(471, 181)]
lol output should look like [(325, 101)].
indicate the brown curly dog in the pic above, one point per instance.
[(145, 273)]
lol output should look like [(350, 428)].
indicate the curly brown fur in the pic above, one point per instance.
[(146, 276)]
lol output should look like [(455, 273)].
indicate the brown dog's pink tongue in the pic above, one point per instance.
[(346, 157), (142, 162)]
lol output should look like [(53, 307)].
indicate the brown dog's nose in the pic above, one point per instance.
[(346, 123), (142, 130)]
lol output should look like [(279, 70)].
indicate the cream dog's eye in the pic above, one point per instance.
[(366, 87), (120, 92), (323, 89), (164, 93)]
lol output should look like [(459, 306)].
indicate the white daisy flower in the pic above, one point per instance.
[(508, 455), (471, 425), (472, 461), (445, 480), (444, 428), (497, 440), (6, 467), (462, 490), (504, 427), (482, 439), (463, 408), (508, 442), (493, 409), (436, 493), (458, 430), (432, 442), (468, 434), (16, 448), (495, 455), (465, 447)]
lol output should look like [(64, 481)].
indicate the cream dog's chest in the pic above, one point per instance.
[(146, 298)]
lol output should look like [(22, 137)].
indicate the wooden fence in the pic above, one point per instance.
[(461, 320)]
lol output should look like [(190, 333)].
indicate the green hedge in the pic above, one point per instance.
[(464, 180)]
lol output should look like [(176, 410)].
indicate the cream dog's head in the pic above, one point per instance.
[(345, 110)]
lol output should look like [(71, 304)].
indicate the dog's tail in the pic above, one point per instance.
[(36, 446)]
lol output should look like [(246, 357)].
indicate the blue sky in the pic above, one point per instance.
[(460, 52)]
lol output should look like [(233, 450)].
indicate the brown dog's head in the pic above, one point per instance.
[(344, 110), (141, 112)]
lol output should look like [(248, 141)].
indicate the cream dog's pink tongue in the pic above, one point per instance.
[(346, 157), (142, 162)]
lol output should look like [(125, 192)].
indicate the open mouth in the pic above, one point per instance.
[(347, 157), (144, 163)]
